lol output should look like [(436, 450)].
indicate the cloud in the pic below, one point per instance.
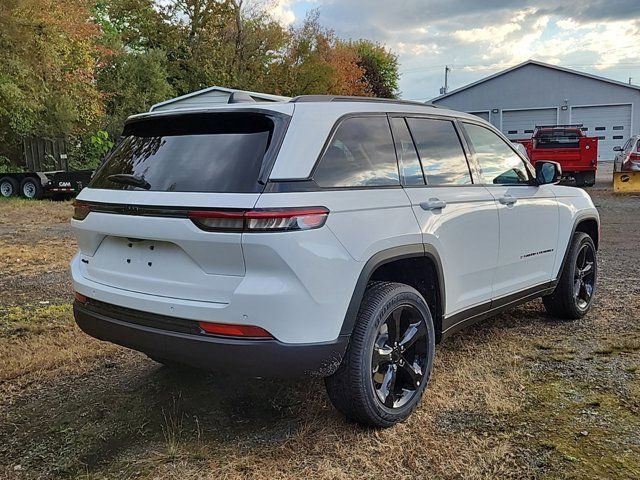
[(478, 38)]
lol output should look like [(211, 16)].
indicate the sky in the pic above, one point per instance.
[(477, 38)]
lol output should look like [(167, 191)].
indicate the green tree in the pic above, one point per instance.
[(380, 68), (131, 83)]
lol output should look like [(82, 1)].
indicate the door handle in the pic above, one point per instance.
[(507, 200), (433, 204)]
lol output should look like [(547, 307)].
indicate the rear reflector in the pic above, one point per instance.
[(227, 330), (275, 220), (80, 298)]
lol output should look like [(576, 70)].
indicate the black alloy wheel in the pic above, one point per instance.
[(573, 295), (399, 356), (585, 276), (387, 365)]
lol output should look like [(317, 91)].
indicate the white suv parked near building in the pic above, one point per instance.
[(325, 236)]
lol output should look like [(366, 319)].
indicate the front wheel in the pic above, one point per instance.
[(388, 362), (576, 287)]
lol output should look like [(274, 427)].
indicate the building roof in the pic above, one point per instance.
[(262, 96), (540, 64)]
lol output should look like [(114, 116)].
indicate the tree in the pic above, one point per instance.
[(380, 68), (47, 64), (132, 82)]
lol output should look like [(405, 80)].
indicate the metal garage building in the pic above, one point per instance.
[(211, 96), (535, 93)]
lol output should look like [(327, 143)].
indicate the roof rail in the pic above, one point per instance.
[(344, 98)]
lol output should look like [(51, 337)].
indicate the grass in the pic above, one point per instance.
[(520, 396), (29, 258)]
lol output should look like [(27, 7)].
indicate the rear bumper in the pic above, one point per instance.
[(251, 358)]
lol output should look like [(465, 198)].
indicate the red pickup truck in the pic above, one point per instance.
[(570, 147)]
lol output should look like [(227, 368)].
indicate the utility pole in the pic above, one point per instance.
[(445, 89)]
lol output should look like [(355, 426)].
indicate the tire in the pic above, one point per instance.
[(8, 187), (361, 390), (30, 188), (579, 274)]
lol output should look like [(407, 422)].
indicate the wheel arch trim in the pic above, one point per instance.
[(382, 258)]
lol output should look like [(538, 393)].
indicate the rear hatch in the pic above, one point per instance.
[(137, 224)]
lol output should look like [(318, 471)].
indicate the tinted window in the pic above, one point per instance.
[(440, 151), (499, 164), (410, 169), (360, 154), (214, 152)]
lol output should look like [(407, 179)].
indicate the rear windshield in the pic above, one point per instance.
[(205, 152), (558, 139)]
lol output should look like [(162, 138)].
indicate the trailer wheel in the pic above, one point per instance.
[(31, 188), (8, 187)]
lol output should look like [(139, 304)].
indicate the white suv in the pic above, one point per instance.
[(325, 236)]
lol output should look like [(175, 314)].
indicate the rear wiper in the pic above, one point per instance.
[(129, 179)]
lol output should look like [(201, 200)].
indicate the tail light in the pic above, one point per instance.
[(80, 210), (228, 330), (272, 220), (634, 156)]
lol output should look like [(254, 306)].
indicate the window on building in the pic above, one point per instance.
[(441, 154), (618, 127), (600, 129), (499, 163), (512, 132), (618, 137), (361, 154)]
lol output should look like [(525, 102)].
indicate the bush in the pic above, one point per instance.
[(7, 167), (87, 152)]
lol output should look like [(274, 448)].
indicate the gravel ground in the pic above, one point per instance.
[(518, 396)]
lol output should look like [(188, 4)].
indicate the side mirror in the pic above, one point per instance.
[(617, 148), (548, 172)]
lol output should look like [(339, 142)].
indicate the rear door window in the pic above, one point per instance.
[(443, 159), (208, 152), (360, 154)]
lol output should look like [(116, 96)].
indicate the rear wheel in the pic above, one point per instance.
[(8, 187), (388, 362), (31, 188), (573, 295)]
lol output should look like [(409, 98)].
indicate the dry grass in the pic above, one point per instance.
[(29, 259), (511, 398), (28, 213), (43, 342)]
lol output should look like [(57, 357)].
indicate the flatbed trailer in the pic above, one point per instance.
[(36, 185)]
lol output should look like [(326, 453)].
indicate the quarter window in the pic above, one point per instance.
[(361, 154), (440, 151), (499, 163), (408, 161)]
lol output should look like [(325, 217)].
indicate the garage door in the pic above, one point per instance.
[(520, 123), (610, 123), (482, 115)]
